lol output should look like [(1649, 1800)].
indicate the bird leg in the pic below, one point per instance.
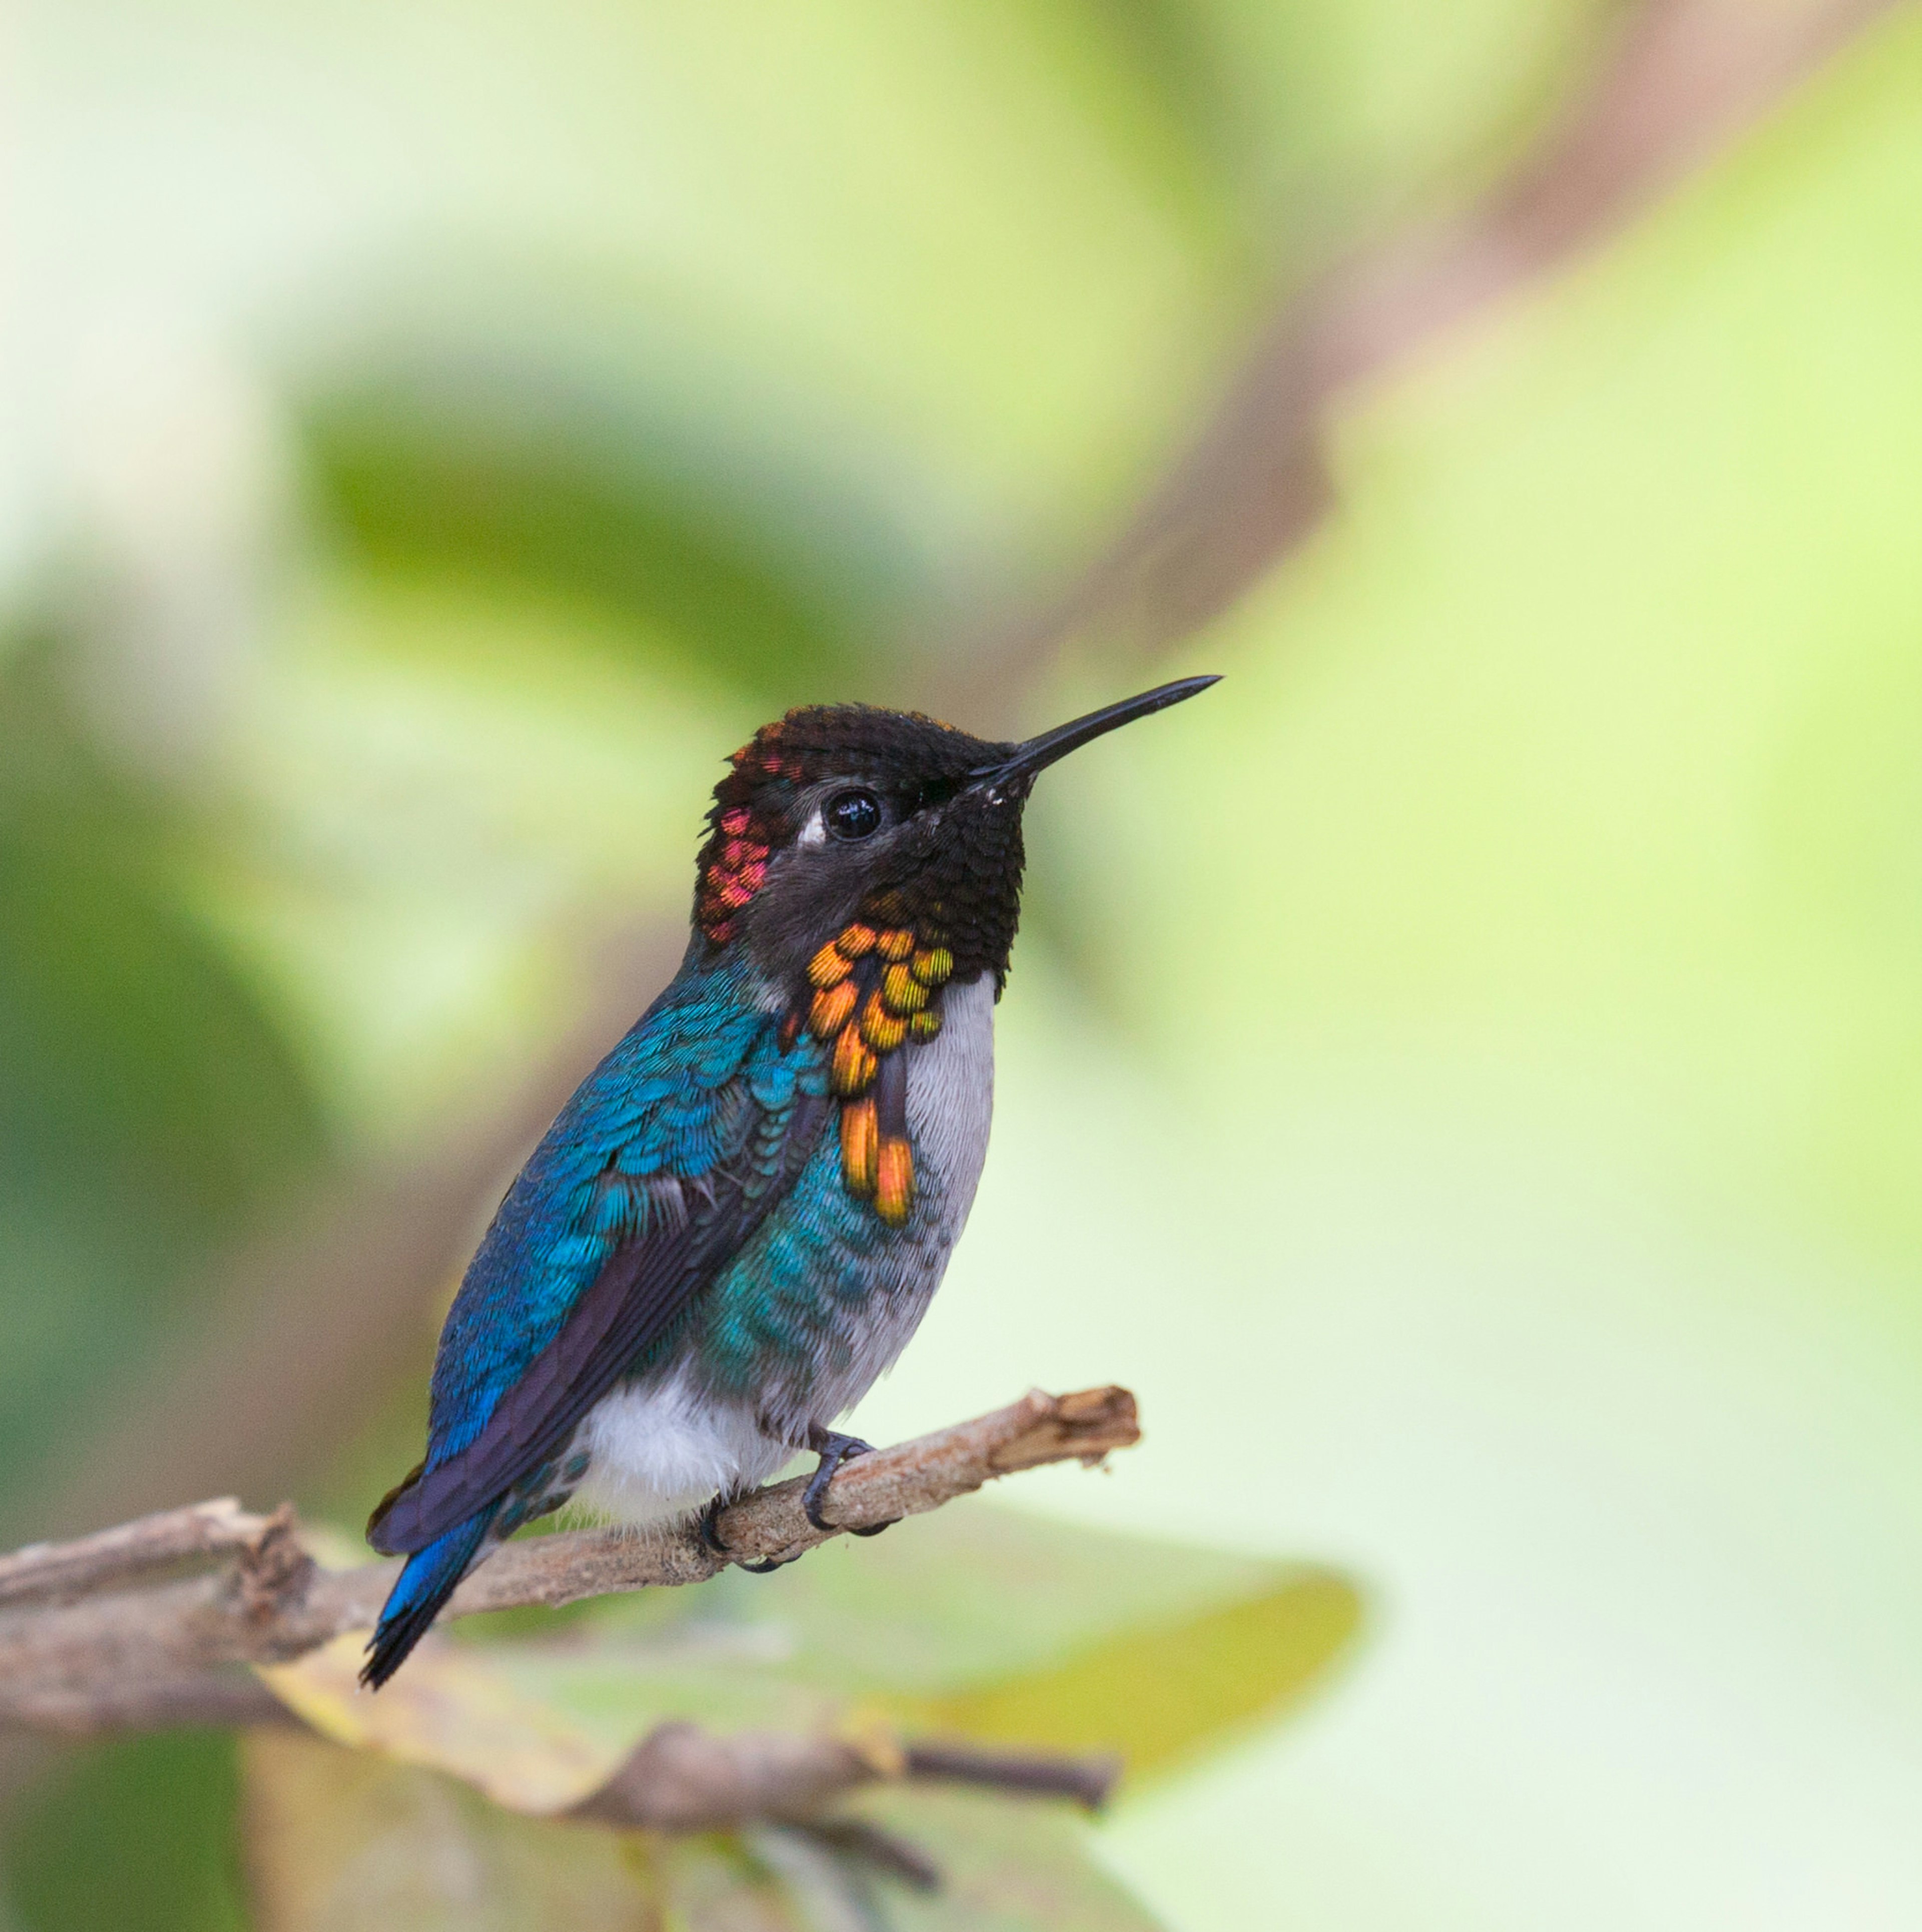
[(833, 1450), (707, 1527)]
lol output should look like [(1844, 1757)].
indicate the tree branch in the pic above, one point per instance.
[(1682, 78), (62, 1570), (681, 1778), (68, 1666)]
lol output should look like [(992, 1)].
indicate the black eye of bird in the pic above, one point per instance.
[(854, 814)]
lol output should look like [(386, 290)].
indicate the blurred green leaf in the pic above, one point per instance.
[(453, 1710), (133, 1053), (151, 1105), (714, 1884), (130, 1051), (1161, 1695), (138, 1835), (342, 1841), (977, 1592), (614, 1693), (725, 543), (1007, 1865)]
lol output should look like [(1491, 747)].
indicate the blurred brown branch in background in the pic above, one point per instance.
[(96, 1655), (1682, 78), (681, 1778)]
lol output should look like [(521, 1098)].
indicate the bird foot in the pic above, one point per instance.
[(707, 1527), (833, 1449)]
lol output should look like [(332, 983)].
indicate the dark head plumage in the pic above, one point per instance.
[(839, 812)]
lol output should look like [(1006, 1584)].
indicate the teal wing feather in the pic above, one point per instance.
[(663, 1163)]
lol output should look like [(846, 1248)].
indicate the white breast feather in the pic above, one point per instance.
[(660, 1449), (951, 1096)]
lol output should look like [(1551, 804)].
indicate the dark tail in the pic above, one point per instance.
[(416, 1598)]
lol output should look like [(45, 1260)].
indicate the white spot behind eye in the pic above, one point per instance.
[(815, 833)]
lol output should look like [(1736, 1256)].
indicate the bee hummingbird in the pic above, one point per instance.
[(738, 1221)]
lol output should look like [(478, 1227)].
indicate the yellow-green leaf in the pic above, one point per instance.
[(1007, 1865), (346, 1841), (449, 1709), (1160, 1695)]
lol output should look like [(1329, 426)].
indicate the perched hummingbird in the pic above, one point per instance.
[(738, 1221)]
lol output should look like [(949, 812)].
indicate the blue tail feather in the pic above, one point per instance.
[(415, 1600)]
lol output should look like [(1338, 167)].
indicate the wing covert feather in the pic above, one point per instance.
[(650, 1179)]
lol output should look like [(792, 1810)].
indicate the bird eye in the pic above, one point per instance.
[(853, 815)]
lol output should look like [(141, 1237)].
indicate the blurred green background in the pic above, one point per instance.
[(1465, 1075)]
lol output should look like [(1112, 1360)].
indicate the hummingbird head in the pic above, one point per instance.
[(840, 816)]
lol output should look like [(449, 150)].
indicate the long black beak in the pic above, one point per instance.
[(1040, 752)]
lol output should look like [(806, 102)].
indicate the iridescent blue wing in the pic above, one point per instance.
[(666, 1159)]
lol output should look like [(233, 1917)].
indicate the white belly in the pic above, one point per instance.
[(660, 1449)]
